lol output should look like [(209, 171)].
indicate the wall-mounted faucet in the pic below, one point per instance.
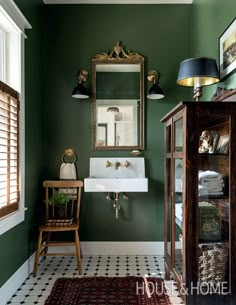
[(117, 164)]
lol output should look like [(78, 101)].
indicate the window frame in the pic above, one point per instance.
[(2, 54), (10, 11)]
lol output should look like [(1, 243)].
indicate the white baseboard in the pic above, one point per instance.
[(117, 248), (123, 248), (16, 280)]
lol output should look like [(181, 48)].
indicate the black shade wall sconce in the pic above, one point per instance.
[(198, 72), (80, 91), (155, 92)]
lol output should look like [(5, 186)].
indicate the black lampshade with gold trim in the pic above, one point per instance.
[(198, 72)]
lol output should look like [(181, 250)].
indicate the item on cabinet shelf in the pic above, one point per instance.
[(210, 183), (208, 141), (212, 262), (209, 222), (179, 214), (223, 145)]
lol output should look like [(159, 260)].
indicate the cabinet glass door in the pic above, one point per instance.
[(168, 139), (213, 201), (178, 135), (178, 214), (169, 208)]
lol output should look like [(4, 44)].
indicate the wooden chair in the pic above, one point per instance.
[(71, 189)]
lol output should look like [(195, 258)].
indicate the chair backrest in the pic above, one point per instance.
[(64, 195)]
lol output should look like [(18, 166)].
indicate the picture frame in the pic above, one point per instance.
[(223, 144), (227, 51)]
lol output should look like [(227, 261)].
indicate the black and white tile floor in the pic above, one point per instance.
[(35, 290)]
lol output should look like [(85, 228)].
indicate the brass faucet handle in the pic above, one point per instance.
[(127, 163), (108, 163), (117, 165)]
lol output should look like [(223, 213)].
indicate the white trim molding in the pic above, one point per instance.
[(118, 1), (11, 220), (116, 248), (123, 248), (15, 14), (17, 279)]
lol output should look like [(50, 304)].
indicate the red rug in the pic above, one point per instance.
[(130, 290)]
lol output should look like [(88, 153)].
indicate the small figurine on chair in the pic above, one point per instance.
[(206, 142)]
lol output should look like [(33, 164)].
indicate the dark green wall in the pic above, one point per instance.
[(19, 243), (75, 33), (210, 19)]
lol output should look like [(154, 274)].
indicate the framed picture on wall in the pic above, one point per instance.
[(227, 51)]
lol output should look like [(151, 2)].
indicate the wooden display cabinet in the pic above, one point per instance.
[(200, 201)]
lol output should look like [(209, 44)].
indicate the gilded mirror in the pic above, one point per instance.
[(118, 100)]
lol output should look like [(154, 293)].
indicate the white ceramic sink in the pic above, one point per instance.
[(112, 179)]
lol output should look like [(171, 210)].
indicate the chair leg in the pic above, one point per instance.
[(36, 261), (77, 245), (45, 251)]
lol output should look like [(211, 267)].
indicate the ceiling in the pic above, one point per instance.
[(117, 1)]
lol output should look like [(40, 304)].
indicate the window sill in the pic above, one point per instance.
[(11, 220)]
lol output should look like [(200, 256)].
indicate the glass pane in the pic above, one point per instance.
[(169, 210), (168, 139), (214, 201), (178, 214), (179, 135)]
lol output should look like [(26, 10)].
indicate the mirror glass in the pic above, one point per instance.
[(118, 101)]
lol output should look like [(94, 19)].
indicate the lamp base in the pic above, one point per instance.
[(197, 93)]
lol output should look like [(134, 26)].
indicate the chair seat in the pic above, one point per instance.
[(46, 228)]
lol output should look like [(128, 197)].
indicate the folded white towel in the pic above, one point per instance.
[(205, 192), (202, 175), (211, 189), (68, 171), (213, 182)]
